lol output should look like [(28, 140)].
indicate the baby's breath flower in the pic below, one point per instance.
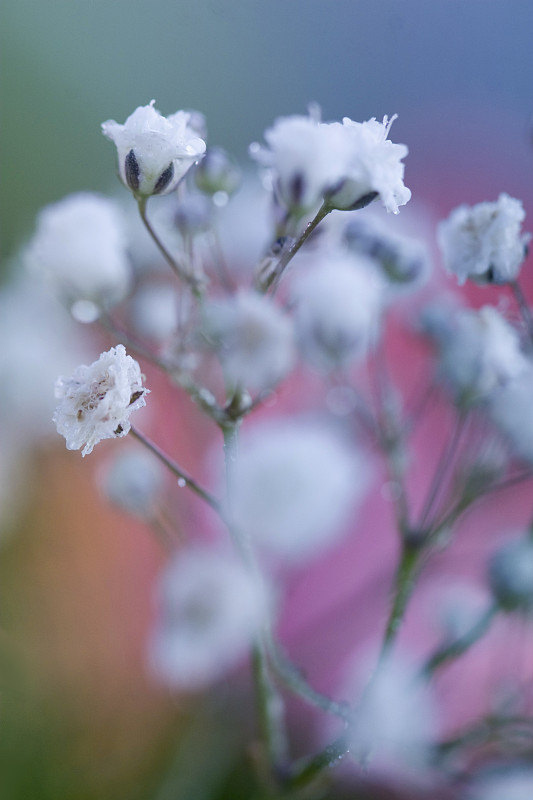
[(134, 482), (154, 152), (511, 575), (253, 339), (479, 353), (338, 305), (80, 247), (484, 242), (96, 402), (374, 167), (306, 159), (510, 410), (513, 782), (294, 485), (210, 608)]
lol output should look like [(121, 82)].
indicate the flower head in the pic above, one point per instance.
[(210, 608), (306, 158), (374, 166), (80, 247), (96, 402), (484, 242), (154, 152)]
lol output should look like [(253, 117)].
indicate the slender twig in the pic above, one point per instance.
[(452, 650), (403, 587), (273, 278), (180, 270), (178, 471)]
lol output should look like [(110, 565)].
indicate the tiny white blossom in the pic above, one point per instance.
[(253, 339), (210, 609), (80, 247), (511, 574), (510, 410), (134, 481), (484, 242), (338, 304), (294, 485), (506, 783), (96, 402), (154, 311), (479, 352), (395, 723), (374, 166), (306, 158), (154, 152)]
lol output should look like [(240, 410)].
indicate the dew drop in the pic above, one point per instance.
[(85, 311), (182, 482)]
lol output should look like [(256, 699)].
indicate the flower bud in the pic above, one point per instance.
[(217, 173)]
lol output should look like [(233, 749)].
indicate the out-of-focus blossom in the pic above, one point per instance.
[(134, 482), (394, 724), (479, 352), (253, 339), (210, 610), (155, 311), (338, 304), (459, 607), (374, 166), (484, 242), (217, 172), (294, 484), (510, 410), (506, 783), (96, 402), (306, 158), (80, 248), (154, 152), (511, 574)]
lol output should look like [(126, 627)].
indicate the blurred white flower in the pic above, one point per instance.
[(294, 485), (154, 311), (210, 610), (507, 783), (458, 607), (511, 574), (154, 152), (80, 249), (306, 157), (253, 339), (479, 352), (134, 482), (96, 402), (374, 166), (394, 723), (510, 410), (484, 242), (337, 314)]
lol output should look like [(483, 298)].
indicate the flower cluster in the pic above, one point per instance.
[(287, 335)]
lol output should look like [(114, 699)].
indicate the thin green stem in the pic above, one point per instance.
[(456, 648), (308, 769), (178, 471), (443, 466), (181, 271), (403, 588), (271, 281)]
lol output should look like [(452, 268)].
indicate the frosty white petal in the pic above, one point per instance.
[(484, 242), (210, 610), (80, 247), (154, 152), (96, 402)]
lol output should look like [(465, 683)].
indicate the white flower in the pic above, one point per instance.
[(306, 157), (134, 482), (511, 574), (210, 608), (394, 725), (80, 247), (510, 410), (508, 783), (253, 339), (294, 484), (338, 306), (154, 310), (480, 352), (373, 167), (484, 242), (154, 152), (96, 402)]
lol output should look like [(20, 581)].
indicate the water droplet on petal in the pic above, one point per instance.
[(182, 482)]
